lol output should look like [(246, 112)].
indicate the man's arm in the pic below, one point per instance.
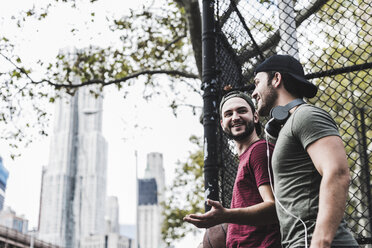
[(329, 157), (260, 214)]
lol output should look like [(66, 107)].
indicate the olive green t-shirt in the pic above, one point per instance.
[(297, 181)]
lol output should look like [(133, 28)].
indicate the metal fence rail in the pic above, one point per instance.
[(333, 41), (12, 238)]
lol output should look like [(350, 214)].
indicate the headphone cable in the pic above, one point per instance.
[(272, 188)]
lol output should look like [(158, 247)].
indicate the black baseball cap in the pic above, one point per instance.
[(291, 66)]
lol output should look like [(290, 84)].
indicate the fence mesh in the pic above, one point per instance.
[(333, 41)]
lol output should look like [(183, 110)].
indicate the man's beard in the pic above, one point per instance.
[(270, 99), (249, 128)]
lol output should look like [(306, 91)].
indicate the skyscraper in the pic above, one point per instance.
[(112, 215), (150, 195), (155, 169), (73, 191), (4, 174)]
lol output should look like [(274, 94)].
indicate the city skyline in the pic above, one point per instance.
[(129, 125)]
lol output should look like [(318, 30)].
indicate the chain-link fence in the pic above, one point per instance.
[(333, 41)]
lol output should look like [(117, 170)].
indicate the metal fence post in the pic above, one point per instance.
[(365, 164), (287, 28), (210, 112)]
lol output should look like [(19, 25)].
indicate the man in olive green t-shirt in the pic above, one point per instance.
[(310, 168)]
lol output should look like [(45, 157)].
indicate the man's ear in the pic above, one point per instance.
[(256, 119), (277, 80)]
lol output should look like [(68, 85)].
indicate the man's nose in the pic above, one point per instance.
[(235, 116), (254, 93)]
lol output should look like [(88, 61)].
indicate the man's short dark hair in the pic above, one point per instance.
[(289, 83)]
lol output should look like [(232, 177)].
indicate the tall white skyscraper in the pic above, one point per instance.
[(151, 194), (155, 169), (112, 215), (73, 191)]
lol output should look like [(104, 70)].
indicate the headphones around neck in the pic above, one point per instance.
[(279, 116)]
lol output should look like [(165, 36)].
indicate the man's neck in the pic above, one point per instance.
[(243, 145), (284, 99)]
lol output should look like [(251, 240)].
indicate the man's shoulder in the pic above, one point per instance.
[(260, 148), (309, 113), (308, 108), (261, 144), (255, 150), (311, 123)]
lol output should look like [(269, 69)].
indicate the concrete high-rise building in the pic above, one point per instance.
[(155, 169), (150, 195), (112, 215), (4, 174), (110, 240), (149, 226), (10, 219), (73, 194)]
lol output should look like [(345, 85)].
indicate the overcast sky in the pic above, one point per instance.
[(157, 131)]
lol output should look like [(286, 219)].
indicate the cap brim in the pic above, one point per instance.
[(309, 89)]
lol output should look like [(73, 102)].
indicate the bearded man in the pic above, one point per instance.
[(251, 220), (310, 166)]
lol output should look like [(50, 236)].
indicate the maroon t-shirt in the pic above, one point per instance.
[(252, 173)]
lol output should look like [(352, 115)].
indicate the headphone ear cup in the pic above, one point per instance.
[(280, 114)]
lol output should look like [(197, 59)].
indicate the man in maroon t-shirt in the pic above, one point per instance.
[(252, 217)]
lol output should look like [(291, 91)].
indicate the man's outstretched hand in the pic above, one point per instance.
[(217, 215)]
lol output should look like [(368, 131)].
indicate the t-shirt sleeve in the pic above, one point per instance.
[(259, 165), (311, 123)]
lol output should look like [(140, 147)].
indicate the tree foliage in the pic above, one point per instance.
[(185, 195), (160, 39), (152, 41), (165, 39)]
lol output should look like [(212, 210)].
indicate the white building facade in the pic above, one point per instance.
[(111, 240), (151, 194), (10, 219), (73, 194), (155, 169), (112, 215)]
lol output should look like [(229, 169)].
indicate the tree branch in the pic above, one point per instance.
[(272, 40), (171, 43), (16, 66), (228, 12), (123, 79), (194, 22), (99, 81)]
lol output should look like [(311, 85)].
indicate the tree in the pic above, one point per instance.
[(154, 41), (188, 184), (163, 38)]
